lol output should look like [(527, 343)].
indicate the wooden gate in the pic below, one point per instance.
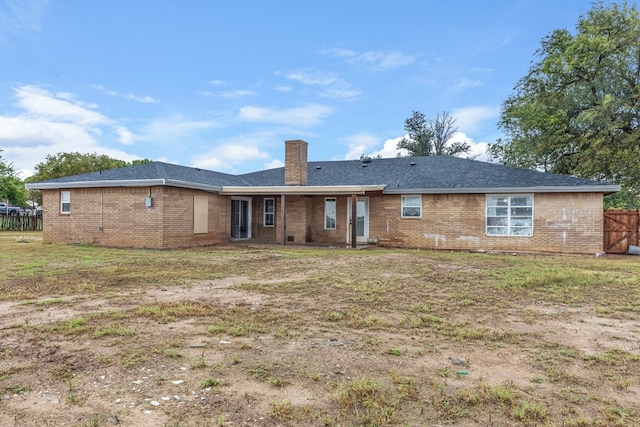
[(620, 230)]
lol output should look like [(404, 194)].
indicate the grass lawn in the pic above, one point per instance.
[(290, 336)]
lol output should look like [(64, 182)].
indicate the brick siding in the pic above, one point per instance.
[(117, 217)]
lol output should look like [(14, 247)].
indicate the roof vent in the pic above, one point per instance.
[(318, 167), (412, 163), (364, 165), (366, 159)]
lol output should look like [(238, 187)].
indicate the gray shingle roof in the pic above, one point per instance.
[(421, 174)]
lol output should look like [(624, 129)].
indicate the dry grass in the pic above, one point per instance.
[(311, 336)]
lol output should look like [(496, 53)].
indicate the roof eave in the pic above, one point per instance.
[(300, 189), (605, 188), (122, 183)]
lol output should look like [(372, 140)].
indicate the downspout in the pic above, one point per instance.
[(101, 228)]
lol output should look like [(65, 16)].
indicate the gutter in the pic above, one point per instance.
[(605, 188), (301, 189), (122, 183)]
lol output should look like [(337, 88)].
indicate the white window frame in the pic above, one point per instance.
[(267, 214), (330, 214), (65, 202), (511, 215), (404, 206)]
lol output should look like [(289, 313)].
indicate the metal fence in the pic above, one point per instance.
[(20, 223)]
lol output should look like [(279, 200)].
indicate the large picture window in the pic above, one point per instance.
[(330, 214), (510, 215), (65, 202), (411, 206), (269, 212)]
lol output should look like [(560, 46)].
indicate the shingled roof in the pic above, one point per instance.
[(426, 175)]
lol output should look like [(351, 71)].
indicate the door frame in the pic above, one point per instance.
[(246, 200), (365, 237)]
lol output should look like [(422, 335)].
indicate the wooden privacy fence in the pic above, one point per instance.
[(621, 229), (20, 223)]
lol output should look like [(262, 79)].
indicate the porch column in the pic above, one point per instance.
[(283, 219), (354, 213)]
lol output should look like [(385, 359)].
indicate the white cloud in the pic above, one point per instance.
[(478, 150), (309, 115), (313, 78), (468, 119), (228, 155), (273, 164), (49, 124), (331, 84), (41, 103), (238, 93), (141, 99), (18, 16), (377, 60), (389, 148), (360, 144), (125, 136)]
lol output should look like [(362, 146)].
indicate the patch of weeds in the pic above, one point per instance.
[(612, 356), (17, 388), (617, 414), (93, 421), (365, 400), (68, 327), (276, 382), (210, 382), (282, 411), (621, 383), (73, 398), (133, 358), (61, 372), (113, 331), (172, 352), (198, 363), (444, 372), (334, 316), (373, 341), (43, 303), (262, 373), (537, 380), (394, 352), (529, 412), (407, 388)]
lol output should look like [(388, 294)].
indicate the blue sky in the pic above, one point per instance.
[(222, 84)]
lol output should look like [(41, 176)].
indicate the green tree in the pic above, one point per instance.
[(577, 110), (428, 137), (11, 187), (67, 164)]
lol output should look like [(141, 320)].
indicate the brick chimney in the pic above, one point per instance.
[(295, 162)]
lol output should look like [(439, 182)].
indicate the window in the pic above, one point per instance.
[(510, 215), (269, 212), (411, 206), (65, 202), (330, 214)]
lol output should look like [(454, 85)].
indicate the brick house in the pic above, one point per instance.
[(434, 202)]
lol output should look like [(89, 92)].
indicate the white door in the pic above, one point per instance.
[(362, 220)]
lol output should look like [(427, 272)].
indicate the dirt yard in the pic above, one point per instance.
[(245, 336)]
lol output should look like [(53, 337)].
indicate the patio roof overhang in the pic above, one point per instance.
[(300, 190)]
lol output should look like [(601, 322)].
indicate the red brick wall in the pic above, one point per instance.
[(117, 217), (563, 222)]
